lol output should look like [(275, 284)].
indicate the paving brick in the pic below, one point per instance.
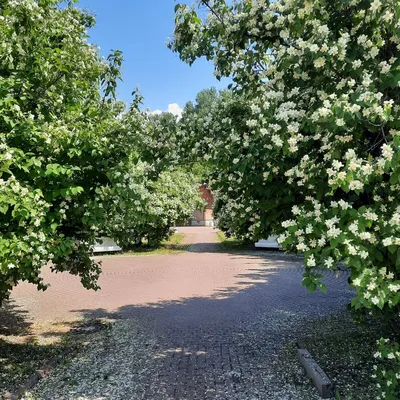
[(219, 319)]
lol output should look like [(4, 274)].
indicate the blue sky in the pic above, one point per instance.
[(140, 29)]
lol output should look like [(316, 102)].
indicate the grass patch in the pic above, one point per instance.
[(232, 244), (173, 245)]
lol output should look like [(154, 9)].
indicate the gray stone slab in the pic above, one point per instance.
[(316, 373)]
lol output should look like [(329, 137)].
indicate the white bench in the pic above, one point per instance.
[(107, 245), (269, 243)]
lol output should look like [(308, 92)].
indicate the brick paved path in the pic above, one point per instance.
[(219, 319)]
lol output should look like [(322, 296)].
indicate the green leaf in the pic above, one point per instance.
[(395, 177), (392, 249), (378, 255), (322, 287)]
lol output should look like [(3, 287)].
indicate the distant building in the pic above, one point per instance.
[(204, 218)]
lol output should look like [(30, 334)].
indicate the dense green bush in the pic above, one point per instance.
[(140, 210)]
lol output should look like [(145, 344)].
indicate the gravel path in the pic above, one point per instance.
[(198, 325)]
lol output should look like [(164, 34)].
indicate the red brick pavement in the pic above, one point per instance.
[(227, 314), (141, 280)]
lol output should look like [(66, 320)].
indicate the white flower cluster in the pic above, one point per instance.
[(316, 140)]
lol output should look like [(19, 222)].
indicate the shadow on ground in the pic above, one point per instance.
[(26, 346), (13, 320), (238, 343)]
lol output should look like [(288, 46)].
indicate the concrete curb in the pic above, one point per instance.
[(321, 381)]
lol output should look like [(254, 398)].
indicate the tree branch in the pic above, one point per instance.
[(212, 10)]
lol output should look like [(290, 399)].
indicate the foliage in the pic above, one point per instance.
[(167, 145), (54, 143), (62, 134), (157, 144), (387, 372), (138, 209), (71, 161), (190, 127), (205, 99), (307, 146)]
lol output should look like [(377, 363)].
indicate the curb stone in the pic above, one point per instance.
[(321, 381)]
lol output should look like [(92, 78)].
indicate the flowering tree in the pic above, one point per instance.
[(308, 146), (140, 209), (60, 137), (74, 165)]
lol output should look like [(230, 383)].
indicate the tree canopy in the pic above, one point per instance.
[(73, 164), (306, 145)]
